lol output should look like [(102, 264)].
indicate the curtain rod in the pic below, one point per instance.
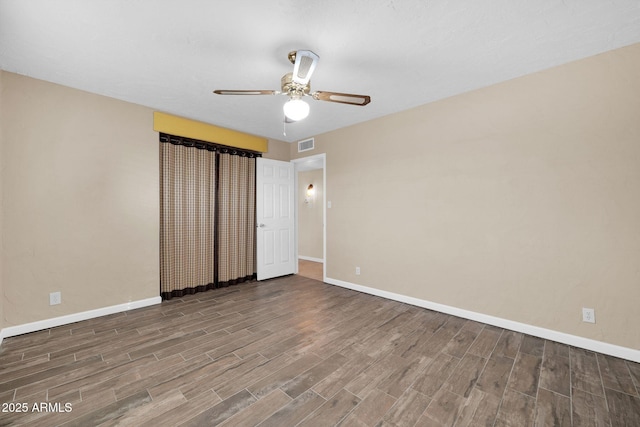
[(209, 146)]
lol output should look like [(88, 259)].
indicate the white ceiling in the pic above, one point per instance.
[(170, 55)]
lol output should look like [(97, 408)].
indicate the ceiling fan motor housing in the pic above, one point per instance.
[(292, 88)]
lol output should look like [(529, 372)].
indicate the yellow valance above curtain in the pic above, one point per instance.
[(179, 126)]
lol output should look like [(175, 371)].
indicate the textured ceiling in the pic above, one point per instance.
[(170, 55)]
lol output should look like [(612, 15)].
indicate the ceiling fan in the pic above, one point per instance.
[(296, 85)]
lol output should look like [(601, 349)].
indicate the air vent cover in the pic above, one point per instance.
[(305, 145)]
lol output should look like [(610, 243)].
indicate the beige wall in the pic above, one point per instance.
[(310, 215), (520, 201), (81, 194), (278, 150)]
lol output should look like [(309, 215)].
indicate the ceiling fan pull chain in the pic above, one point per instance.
[(284, 127)]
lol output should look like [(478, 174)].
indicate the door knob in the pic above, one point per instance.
[(260, 225)]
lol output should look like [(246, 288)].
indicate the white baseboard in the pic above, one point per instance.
[(12, 331), (309, 258), (561, 337)]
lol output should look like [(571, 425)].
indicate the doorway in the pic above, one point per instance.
[(310, 216)]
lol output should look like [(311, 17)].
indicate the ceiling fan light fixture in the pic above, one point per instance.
[(296, 109)]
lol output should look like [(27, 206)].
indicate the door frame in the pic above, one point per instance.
[(297, 165)]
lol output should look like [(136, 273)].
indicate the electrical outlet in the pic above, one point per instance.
[(588, 315), (357, 271), (55, 298)]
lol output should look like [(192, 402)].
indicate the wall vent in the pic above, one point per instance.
[(305, 145)]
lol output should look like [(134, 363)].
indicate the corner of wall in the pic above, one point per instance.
[(277, 150)]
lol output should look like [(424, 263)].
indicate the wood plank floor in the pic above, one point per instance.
[(297, 352), (310, 269)]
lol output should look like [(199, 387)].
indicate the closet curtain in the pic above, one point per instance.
[(237, 211), (207, 216)]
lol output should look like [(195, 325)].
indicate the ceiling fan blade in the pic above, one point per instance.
[(342, 98), (306, 62), (245, 92)]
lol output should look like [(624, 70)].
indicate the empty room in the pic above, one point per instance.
[(287, 213)]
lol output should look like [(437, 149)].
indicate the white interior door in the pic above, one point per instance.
[(275, 209)]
